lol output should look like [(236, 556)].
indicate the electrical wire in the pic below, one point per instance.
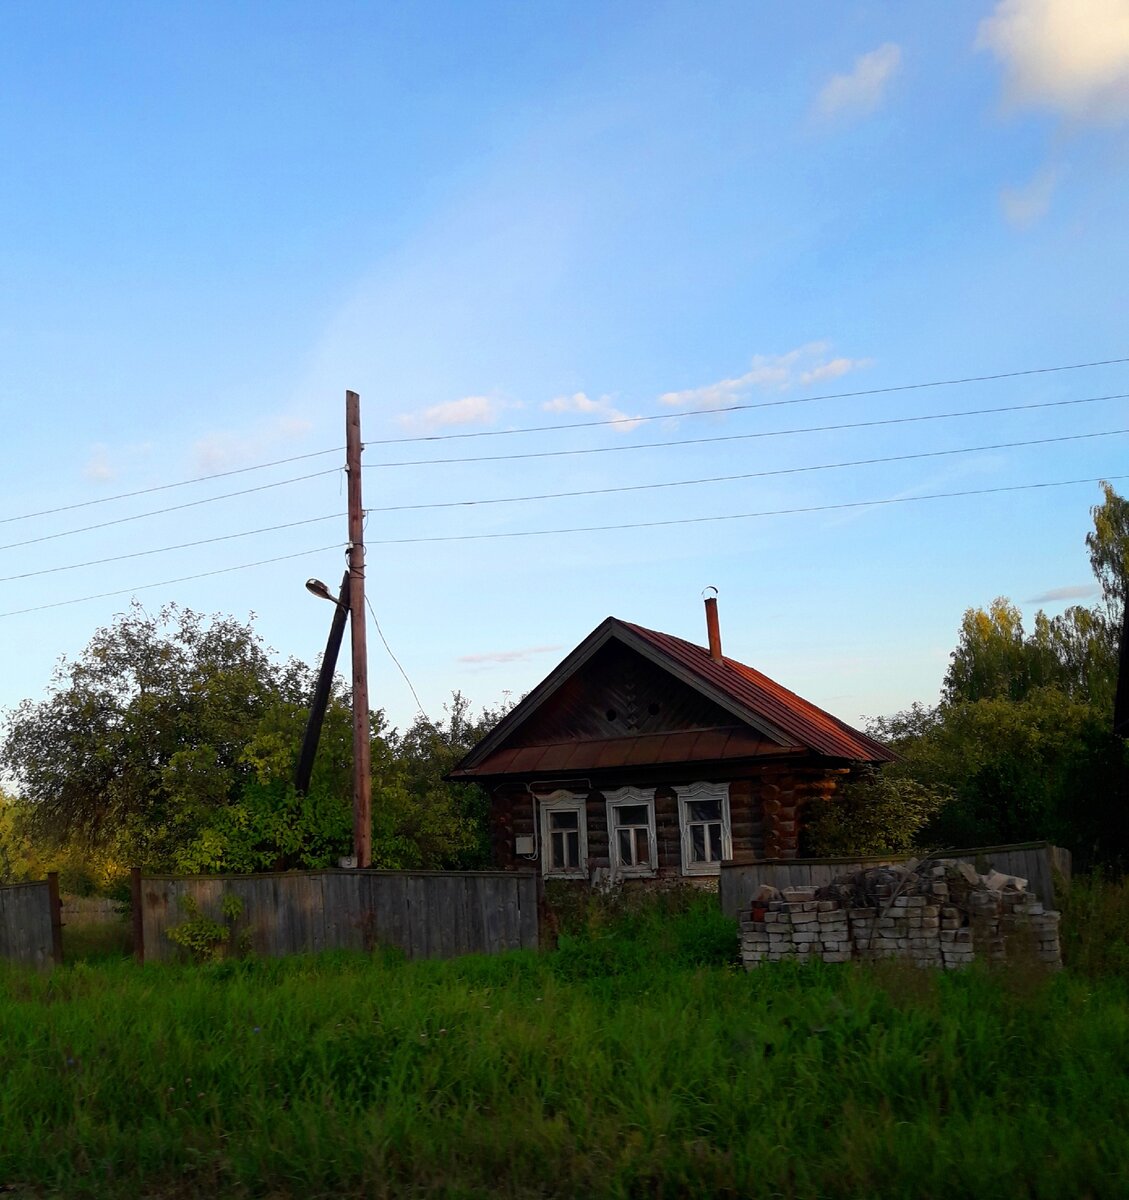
[(226, 537), (698, 412), (740, 437), (156, 512), (576, 529), (775, 512), (673, 483), (164, 487), (393, 657), (141, 587), (639, 487)]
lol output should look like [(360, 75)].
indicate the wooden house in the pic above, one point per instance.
[(644, 756)]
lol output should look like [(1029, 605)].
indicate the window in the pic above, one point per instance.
[(703, 815), (632, 848), (564, 836)]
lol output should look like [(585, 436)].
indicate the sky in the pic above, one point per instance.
[(540, 239)]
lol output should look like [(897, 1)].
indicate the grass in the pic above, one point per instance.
[(634, 1061)]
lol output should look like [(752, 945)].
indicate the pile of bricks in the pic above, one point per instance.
[(942, 915)]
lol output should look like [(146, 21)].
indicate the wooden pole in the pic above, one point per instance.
[(362, 774), (137, 916), (321, 691), (56, 917)]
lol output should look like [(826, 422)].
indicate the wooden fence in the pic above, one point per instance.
[(31, 930), (427, 914), (1036, 862)]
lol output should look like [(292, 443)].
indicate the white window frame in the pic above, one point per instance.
[(562, 801), (697, 792), (626, 797)]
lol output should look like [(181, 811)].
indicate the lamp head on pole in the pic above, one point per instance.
[(317, 588)]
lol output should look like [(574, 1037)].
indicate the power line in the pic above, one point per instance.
[(156, 512), (141, 587), (164, 487), (640, 487), (577, 529), (226, 537), (672, 483), (698, 412), (775, 512), (393, 657), (740, 437)]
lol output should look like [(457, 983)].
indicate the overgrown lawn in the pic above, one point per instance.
[(633, 1061)]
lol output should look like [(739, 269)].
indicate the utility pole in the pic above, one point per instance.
[(325, 681), (362, 774)]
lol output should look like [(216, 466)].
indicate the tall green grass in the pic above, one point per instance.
[(633, 1061)]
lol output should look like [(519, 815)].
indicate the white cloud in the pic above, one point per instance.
[(863, 88), (1081, 591), (1070, 56), (229, 447), (506, 656), (1027, 205), (98, 468), (470, 410), (107, 463), (603, 409), (803, 366)]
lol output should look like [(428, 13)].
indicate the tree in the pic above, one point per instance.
[(172, 740), (142, 732), (1108, 544)]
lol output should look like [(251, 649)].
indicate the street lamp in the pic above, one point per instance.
[(316, 588), (325, 679)]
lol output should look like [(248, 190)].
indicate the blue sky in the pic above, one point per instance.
[(492, 217)]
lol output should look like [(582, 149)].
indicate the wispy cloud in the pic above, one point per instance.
[(1027, 205), (1068, 56), (491, 657), (229, 448), (602, 409), (98, 468), (106, 463), (861, 90), (1081, 591), (802, 367), (469, 410)]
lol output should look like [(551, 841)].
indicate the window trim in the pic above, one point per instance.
[(686, 796), (563, 801), (625, 797)]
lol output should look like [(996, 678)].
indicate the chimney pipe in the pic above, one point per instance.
[(713, 629)]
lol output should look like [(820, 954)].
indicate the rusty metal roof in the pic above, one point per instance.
[(763, 718), (644, 750), (765, 698)]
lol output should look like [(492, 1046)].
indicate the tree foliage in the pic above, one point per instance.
[(171, 742), (880, 812), (1022, 740)]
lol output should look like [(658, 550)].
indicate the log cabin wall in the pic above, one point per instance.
[(766, 804)]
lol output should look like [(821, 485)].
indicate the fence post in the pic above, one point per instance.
[(136, 914), (56, 904)]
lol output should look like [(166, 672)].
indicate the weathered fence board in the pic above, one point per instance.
[(426, 914), (1034, 861), (29, 923)]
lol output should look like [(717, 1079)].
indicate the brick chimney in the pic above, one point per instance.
[(713, 629)]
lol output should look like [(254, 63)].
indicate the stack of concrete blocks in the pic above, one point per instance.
[(914, 919), (797, 925)]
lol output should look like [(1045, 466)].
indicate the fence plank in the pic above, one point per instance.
[(1033, 861), (424, 913), (26, 924)]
